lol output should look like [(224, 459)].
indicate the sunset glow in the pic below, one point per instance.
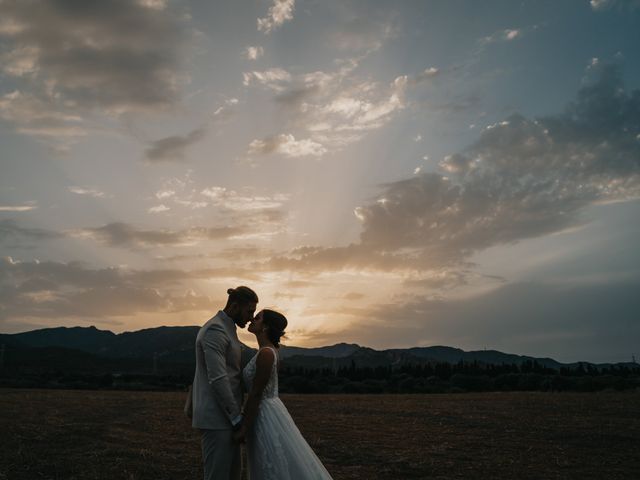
[(391, 174)]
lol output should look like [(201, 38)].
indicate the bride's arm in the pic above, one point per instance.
[(264, 364)]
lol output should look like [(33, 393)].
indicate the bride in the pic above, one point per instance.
[(276, 449)]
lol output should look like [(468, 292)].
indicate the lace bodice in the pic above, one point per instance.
[(249, 372)]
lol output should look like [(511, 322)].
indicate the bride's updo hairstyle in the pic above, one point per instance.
[(276, 324), (241, 295)]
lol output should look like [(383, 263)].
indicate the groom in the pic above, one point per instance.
[(217, 385)]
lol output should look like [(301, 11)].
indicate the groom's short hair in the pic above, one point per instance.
[(241, 295)]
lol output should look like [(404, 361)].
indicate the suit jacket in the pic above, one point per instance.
[(217, 385)]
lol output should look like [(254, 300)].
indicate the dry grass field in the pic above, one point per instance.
[(62, 434)]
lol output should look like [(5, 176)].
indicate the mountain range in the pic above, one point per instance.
[(175, 345)]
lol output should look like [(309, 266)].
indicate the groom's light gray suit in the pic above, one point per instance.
[(217, 396)]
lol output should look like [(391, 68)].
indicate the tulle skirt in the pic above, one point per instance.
[(276, 450)]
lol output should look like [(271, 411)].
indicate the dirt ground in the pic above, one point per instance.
[(63, 434)]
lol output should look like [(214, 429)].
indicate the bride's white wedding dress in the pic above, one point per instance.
[(276, 450)]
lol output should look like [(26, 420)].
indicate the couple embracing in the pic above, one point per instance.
[(275, 448)]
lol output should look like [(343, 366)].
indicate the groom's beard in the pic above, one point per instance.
[(237, 319), (239, 322)]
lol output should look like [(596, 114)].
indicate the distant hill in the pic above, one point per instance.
[(174, 342), (87, 339), (339, 350), (454, 355), (175, 345)]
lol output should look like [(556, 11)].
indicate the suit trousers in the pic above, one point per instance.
[(220, 455)]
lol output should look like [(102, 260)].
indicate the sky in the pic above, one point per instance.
[(392, 174)]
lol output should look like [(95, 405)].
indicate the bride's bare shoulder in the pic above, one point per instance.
[(266, 356)]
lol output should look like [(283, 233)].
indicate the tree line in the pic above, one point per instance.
[(459, 377), (435, 377)]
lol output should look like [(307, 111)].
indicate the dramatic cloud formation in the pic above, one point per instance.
[(521, 179), (344, 158), (114, 55), (87, 54)]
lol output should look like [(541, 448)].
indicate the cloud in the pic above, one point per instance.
[(335, 108), (506, 35), (79, 274), (18, 208), (10, 230), (443, 279), (243, 252), (601, 5), (116, 54), (274, 78), (165, 194), (362, 108), (287, 145), (255, 212), (92, 192), (313, 260), (159, 209), (247, 251), (521, 179), (253, 53), (119, 234), (171, 149), (593, 321), (426, 74), (281, 11), (243, 221), (182, 192), (224, 112), (245, 200), (76, 59), (59, 290), (33, 115)]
